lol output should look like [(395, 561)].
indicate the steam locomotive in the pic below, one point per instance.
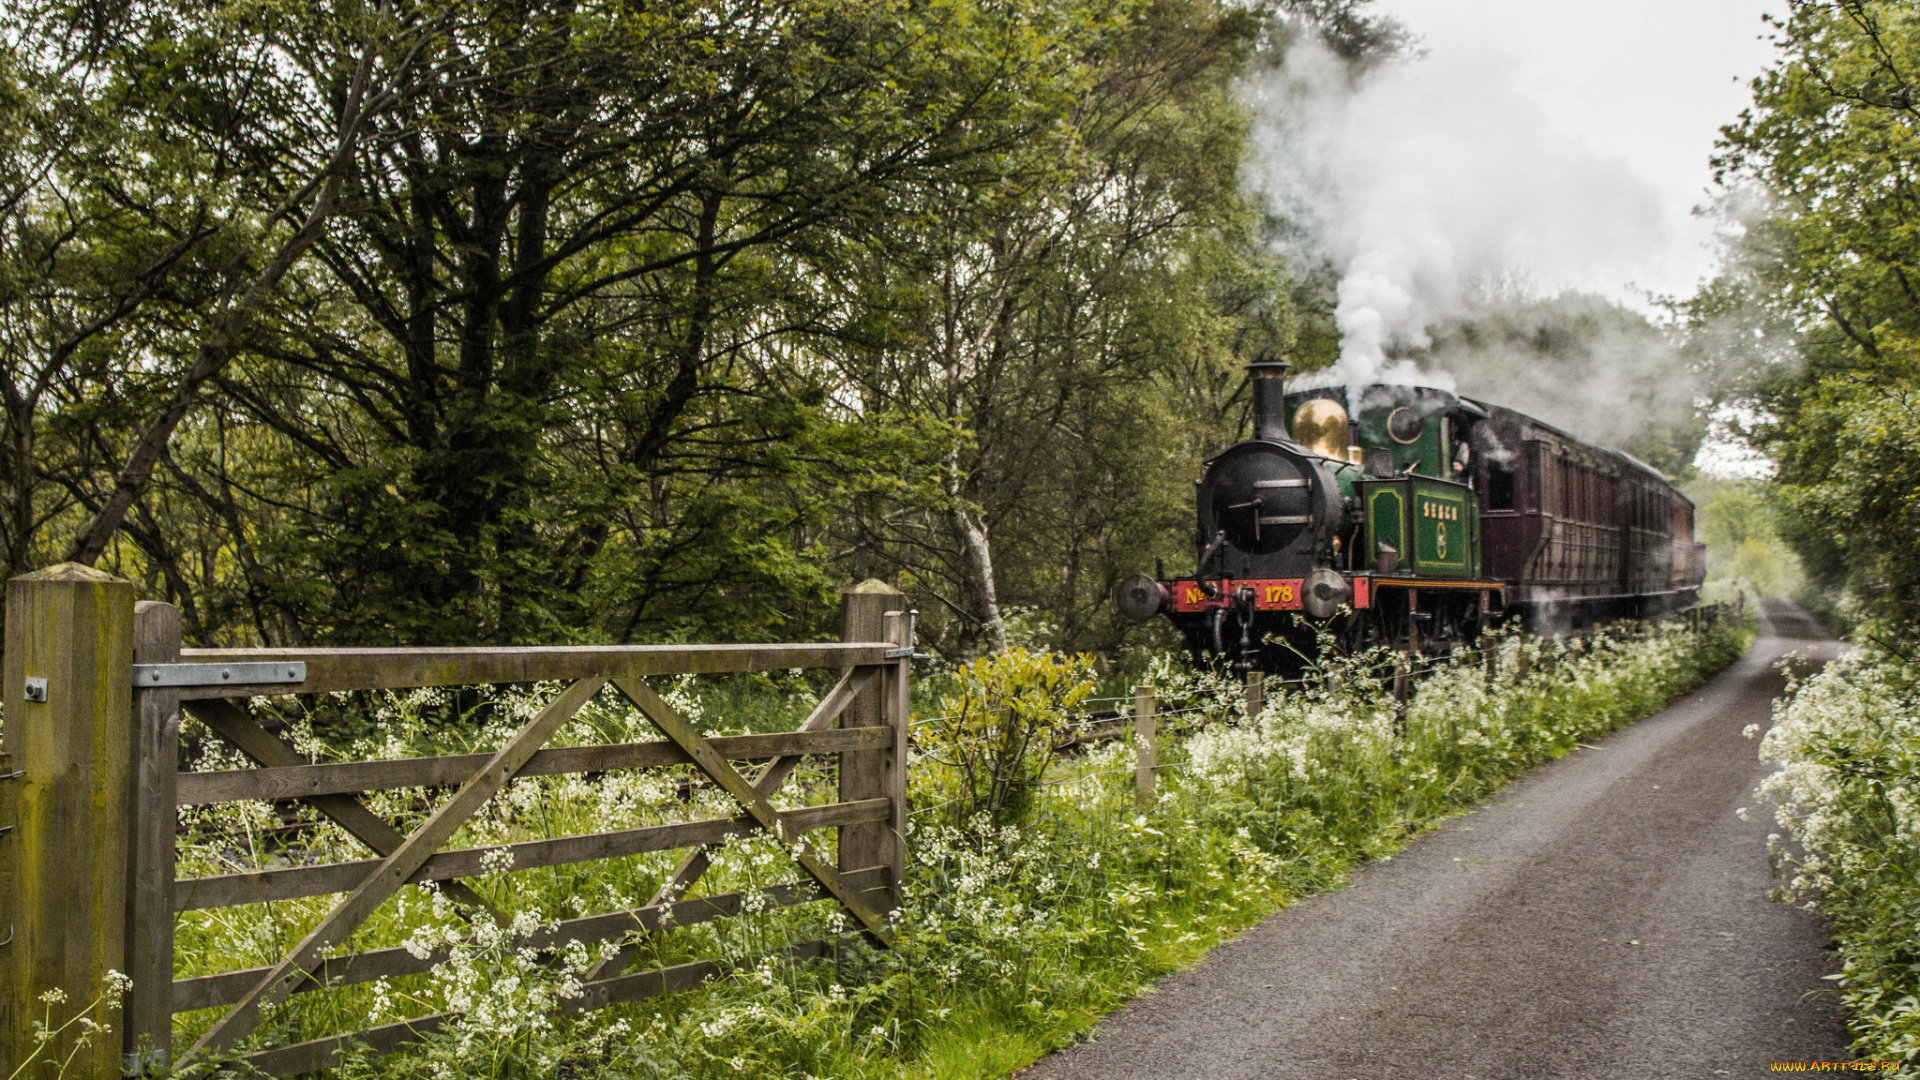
[(1414, 518)]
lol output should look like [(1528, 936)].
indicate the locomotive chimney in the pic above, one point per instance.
[(1269, 379)]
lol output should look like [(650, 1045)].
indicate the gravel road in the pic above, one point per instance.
[(1606, 916)]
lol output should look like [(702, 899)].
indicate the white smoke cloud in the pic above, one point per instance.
[(1426, 179)]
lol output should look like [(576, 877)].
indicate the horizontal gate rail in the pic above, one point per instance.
[(294, 882), (320, 1053), (675, 727), (334, 670), (233, 723), (305, 781), (208, 991), (392, 872)]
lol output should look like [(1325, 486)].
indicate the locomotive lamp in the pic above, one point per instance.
[(1323, 593), (1140, 597)]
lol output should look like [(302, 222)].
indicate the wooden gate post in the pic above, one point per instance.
[(68, 687), (1146, 748), (1256, 694), (148, 1027), (873, 774), (897, 713)]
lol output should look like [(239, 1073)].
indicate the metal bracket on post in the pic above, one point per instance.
[(148, 675), (151, 1063), (913, 639)]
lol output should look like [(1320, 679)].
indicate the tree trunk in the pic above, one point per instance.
[(227, 335), (979, 549)]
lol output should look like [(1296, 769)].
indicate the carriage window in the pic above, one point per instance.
[(1499, 486)]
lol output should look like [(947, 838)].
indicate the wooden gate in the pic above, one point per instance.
[(123, 681)]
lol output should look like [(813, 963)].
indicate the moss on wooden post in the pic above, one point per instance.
[(71, 626)]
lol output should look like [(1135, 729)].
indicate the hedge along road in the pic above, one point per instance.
[(1606, 916)]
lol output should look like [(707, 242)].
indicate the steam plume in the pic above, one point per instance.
[(1421, 181)]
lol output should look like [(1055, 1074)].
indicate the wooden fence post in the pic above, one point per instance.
[(1402, 690), (1256, 694), (1146, 747), (870, 774), (149, 1013), (69, 631)]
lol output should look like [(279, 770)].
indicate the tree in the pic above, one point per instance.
[(133, 264), (1056, 324), (550, 370), (1831, 137)]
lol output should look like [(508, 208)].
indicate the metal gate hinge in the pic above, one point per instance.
[(256, 674), (911, 652)]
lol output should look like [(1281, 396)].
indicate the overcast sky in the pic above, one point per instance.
[(1646, 82)]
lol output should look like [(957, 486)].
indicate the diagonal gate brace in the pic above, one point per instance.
[(696, 861), (392, 872), (232, 723), (756, 805)]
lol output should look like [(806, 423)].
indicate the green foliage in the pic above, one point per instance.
[(1739, 523), (1828, 254), (628, 322), (1848, 748), (998, 728)]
